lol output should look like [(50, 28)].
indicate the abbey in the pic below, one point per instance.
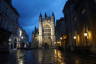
[(46, 30)]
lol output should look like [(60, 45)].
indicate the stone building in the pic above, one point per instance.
[(60, 23), (8, 16), (35, 39), (80, 19), (8, 23), (46, 30), (61, 37)]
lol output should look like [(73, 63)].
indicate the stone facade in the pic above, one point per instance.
[(46, 30), (80, 18), (60, 23), (8, 16), (8, 24)]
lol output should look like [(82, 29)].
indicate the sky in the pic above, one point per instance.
[(30, 10)]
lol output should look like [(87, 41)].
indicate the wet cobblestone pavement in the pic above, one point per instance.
[(44, 56)]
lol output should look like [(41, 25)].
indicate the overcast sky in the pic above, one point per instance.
[(30, 10)]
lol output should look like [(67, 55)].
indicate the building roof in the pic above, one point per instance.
[(9, 2)]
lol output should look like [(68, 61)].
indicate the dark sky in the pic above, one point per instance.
[(30, 10)]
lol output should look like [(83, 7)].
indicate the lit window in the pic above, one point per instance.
[(47, 30)]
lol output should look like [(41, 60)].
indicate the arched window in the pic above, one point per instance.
[(47, 31)]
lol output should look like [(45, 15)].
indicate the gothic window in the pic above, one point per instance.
[(47, 30), (46, 26), (47, 37), (47, 34)]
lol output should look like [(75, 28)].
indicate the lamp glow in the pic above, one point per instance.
[(74, 37), (85, 34), (61, 38)]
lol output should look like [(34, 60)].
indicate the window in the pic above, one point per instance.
[(47, 34), (47, 37), (47, 30), (46, 26)]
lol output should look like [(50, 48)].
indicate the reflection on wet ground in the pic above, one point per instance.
[(44, 56)]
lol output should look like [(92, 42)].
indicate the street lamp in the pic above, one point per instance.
[(85, 35), (74, 37), (60, 38), (22, 37), (10, 39)]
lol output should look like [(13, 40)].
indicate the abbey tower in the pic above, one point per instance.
[(46, 30)]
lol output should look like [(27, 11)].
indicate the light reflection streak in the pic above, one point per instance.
[(40, 55), (58, 57), (20, 57)]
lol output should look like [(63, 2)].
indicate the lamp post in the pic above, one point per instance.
[(10, 43), (61, 41), (75, 40), (85, 35), (74, 37), (60, 38)]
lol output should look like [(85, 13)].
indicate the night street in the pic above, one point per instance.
[(44, 56), (47, 31)]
